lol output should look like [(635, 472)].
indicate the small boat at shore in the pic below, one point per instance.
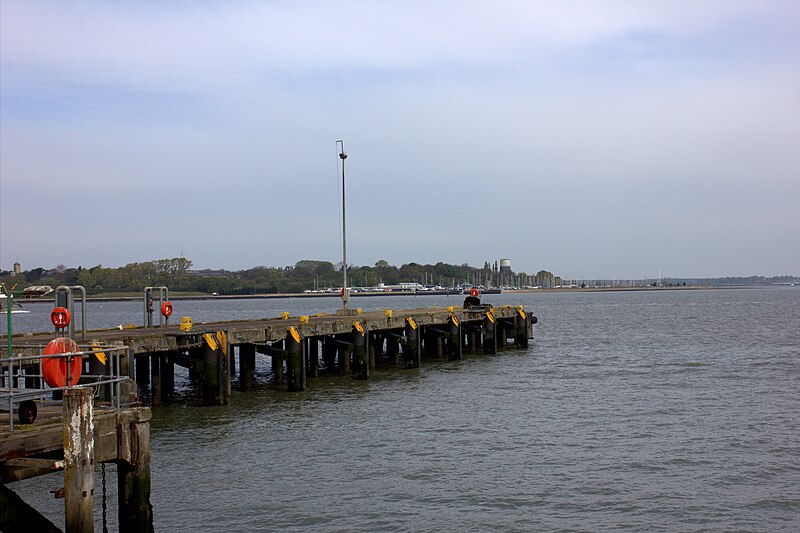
[(3, 303)]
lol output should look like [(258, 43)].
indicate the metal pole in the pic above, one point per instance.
[(10, 362), (8, 315), (345, 296)]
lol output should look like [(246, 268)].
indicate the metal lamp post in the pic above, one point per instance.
[(345, 294)]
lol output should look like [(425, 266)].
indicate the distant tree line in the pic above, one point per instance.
[(743, 281), (177, 275)]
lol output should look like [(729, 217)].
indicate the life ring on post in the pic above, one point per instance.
[(474, 292), (166, 309), (54, 369), (59, 316)]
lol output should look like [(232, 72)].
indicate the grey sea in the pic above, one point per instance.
[(630, 411)]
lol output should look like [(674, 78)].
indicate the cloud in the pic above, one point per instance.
[(574, 120)]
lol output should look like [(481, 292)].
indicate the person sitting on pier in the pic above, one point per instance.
[(472, 300)]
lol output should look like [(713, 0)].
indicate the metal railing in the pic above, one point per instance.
[(12, 374)]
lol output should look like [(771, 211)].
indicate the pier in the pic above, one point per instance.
[(300, 347)]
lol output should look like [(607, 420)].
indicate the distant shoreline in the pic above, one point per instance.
[(401, 293)]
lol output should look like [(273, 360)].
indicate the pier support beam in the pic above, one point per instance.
[(143, 371), (212, 373), (329, 354), (393, 347), (344, 357), (155, 379), (489, 334), (313, 357), (167, 376), (454, 340), (135, 510), (247, 365), (503, 329), (96, 368), (375, 349), (411, 348), (295, 362), (277, 364), (126, 364), (360, 358), (78, 460), (472, 338), (521, 329)]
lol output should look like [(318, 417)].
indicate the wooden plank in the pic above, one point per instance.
[(24, 468)]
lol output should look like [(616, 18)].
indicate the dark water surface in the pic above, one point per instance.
[(666, 410)]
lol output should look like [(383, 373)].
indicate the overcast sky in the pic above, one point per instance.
[(592, 139)]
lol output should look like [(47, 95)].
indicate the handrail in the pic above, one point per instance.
[(19, 394)]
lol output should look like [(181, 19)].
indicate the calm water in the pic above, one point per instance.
[(673, 411)]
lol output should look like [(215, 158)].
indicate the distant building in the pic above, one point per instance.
[(505, 266), (17, 268)]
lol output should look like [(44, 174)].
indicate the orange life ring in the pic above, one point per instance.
[(341, 292), (59, 316), (474, 292), (166, 309), (54, 369)]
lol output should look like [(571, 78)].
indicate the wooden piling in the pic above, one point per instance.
[(167, 376), (295, 363), (97, 368), (211, 374), (135, 510), (472, 339), (375, 347), (247, 365), (521, 329), (155, 379), (411, 348), (143, 371), (344, 357), (78, 460), (360, 358), (393, 347), (126, 363), (313, 357), (277, 370), (489, 334), (329, 349), (454, 340)]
